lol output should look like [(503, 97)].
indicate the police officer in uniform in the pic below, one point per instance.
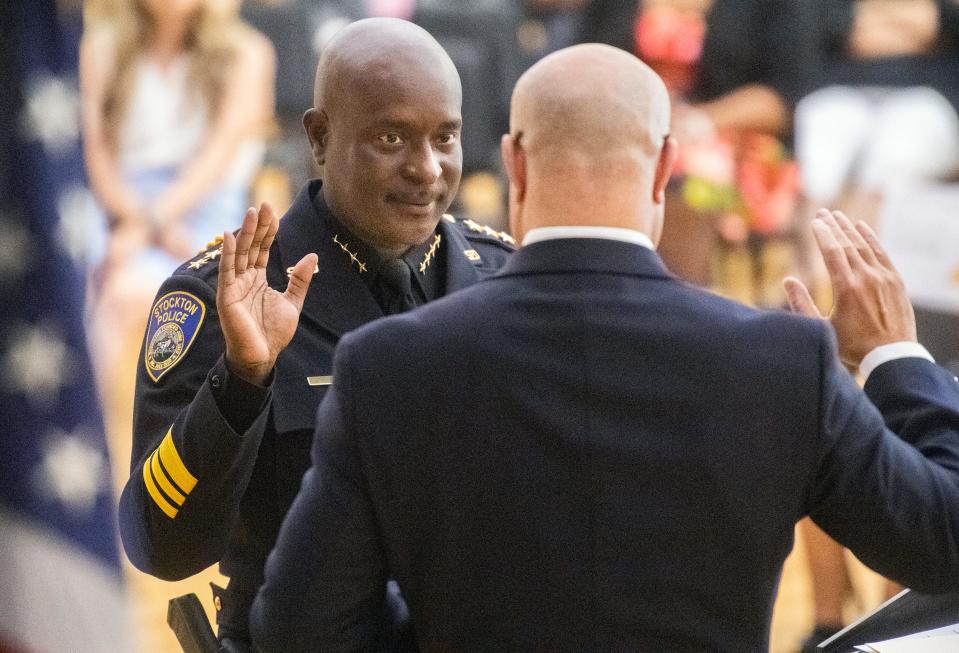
[(238, 349)]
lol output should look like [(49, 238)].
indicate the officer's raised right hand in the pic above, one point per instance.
[(257, 321)]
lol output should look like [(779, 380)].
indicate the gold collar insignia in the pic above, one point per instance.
[(346, 250), (428, 257)]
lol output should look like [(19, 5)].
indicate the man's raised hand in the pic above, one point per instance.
[(257, 321), (870, 306)]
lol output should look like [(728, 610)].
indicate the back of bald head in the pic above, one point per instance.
[(587, 105), (363, 49)]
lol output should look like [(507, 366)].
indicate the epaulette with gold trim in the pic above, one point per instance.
[(209, 253), (213, 243), (486, 230)]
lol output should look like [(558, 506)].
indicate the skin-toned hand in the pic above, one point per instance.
[(870, 307), (893, 28), (175, 240), (257, 321), (127, 238)]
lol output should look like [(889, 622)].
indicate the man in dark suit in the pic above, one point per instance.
[(231, 373), (596, 456)]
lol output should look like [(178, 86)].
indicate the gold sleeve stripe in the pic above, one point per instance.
[(158, 498), (174, 464), (165, 484)]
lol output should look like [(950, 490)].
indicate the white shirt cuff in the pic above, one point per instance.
[(892, 351)]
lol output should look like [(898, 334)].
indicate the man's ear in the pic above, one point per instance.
[(514, 160), (664, 168), (317, 126)]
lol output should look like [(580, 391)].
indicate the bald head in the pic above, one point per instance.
[(371, 51), (591, 101), (385, 129), (589, 143)]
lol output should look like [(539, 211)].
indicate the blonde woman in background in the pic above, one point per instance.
[(177, 95), (177, 98)]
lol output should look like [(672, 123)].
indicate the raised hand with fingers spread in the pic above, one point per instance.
[(257, 321), (870, 306)]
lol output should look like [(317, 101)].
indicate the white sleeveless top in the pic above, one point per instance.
[(165, 125)]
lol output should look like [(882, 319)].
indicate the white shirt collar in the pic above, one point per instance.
[(607, 233)]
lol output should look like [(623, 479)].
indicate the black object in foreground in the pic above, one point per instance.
[(188, 621)]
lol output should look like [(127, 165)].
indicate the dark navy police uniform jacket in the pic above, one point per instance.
[(216, 462)]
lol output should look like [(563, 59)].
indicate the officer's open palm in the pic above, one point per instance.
[(257, 321)]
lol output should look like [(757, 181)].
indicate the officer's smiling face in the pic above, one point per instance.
[(393, 159)]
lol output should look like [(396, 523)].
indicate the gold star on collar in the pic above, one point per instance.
[(428, 258), (353, 256)]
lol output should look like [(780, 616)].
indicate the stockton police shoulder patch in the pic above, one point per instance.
[(175, 321)]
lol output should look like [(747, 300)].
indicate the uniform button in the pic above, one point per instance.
[(215, 380), (217, 603)]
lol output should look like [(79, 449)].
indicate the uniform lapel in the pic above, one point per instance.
[(338, 300)]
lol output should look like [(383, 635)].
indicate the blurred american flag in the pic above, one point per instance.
[(60, 582)]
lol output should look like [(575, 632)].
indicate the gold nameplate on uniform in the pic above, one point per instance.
[(472, 254), (319, 380)]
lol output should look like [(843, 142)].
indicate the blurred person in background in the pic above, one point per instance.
[(567, 22), (746, 76), (885, 109), (734, 74), (177, 97), (884, 114)]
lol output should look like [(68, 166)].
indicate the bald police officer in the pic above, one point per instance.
[(237, 353)]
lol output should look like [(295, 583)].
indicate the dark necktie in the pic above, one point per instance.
[(398, 285)]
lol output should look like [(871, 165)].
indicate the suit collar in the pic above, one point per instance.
[(586, 255), (609, 233)]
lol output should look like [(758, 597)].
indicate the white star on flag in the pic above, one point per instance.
[(52, 113), (37, 363), (81, 231), (72, 471)]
